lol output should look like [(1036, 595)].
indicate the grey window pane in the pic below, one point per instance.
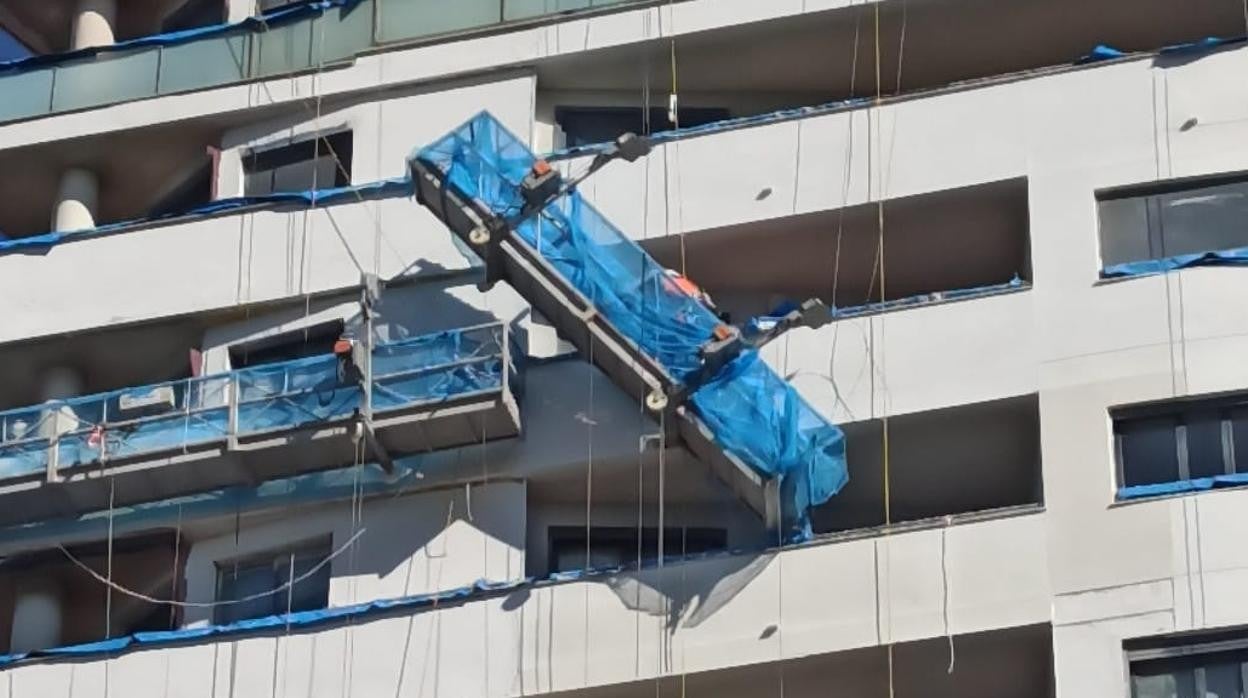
[(1204, 445), (1124, 230), (238, 582), (1222, 681), (1205, 219), (307, 594), (1239, 435), (1154, 686), (1149, 451)]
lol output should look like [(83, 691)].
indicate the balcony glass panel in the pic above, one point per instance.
[(282, 49), (204, 63), (106, 79), (194, 411), (407, 19), (25, 94), (343, 32), (525, 9)]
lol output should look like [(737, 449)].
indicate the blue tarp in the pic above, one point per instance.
[(1103, 52), (1237, 257), (1183, 486), (304, 620), (754, 414), (279, 16), (39, 244)]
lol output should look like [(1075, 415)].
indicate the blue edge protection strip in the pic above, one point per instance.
[(264, 21), (40, 244), (1183, 486), (1237, 257)]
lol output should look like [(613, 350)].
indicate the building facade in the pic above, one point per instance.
[(1028, 216)]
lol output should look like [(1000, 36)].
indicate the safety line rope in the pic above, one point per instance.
[(203, 604)]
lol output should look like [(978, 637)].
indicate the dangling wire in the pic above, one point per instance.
[(108, 594)]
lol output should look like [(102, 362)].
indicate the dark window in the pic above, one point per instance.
[(193, 14), (269, 5), (611, 546), (589, 125), (254, 576), (1181, 441), (1174, 218), (195, 190), (1188, 672), (287, 346), (316, 163)]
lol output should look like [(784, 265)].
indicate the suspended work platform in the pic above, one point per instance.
[(69, 457), (617, 305)]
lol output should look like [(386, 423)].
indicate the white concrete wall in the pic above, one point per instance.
[(414, 544), (709, 614)]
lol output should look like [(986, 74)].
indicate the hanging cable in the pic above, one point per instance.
[(108, 596), (126, 591)]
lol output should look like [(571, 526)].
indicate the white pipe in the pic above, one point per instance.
[(76, 201), (37, 616), (93, 24)]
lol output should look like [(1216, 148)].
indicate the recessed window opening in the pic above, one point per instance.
[(192, 14), (1214, 666), (300, 166), (314, 340), (589, 125), (1176, 442), (616, 546), (1173, 218), (265, 572)]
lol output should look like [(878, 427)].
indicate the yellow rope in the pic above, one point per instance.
[(888, 514)]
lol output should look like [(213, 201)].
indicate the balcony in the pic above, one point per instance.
[(287, 40), (139, 444), (984, 583)]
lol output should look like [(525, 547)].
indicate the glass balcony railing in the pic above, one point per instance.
[(251, 50), (131, 423)]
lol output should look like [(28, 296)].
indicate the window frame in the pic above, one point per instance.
[(270, 157), (1180, 410), (1185, 653), (705, 539), (1151, 193), (318, 548)]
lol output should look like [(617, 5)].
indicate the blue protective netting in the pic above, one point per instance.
[(753, 414), (426, 369)]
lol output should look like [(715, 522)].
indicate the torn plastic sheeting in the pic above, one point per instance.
[(310, 619), (1224, 258), (1183, 486), (260, 22), (753, 414), (38, 244), (1104, 52)]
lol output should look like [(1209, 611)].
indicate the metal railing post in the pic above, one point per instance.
[(231, 428)]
